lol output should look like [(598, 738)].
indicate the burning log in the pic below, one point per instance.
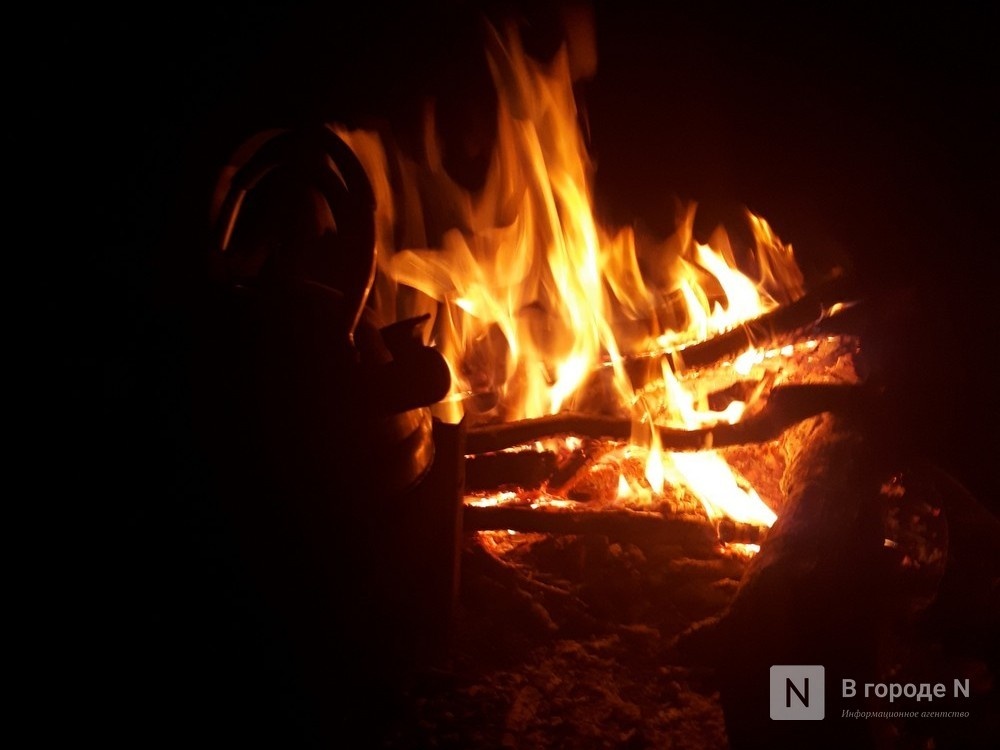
[(737, 532), (785, 406), (496, 437), (769, 327), (575, 462), (693, 533), (525, 469), (598, 483), (812, 594)]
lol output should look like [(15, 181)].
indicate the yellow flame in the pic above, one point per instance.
[(654, 465), (710, 478), (529, 295), (624, 490), (744, 301), (779, 272), (745, 362)]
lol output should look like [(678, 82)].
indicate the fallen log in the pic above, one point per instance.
[(813, 595), (786, 406)]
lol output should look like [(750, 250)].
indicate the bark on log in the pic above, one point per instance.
[(786, 405), (811, 596)]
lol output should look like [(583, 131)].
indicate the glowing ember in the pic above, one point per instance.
[(530, 296), (490, 501)]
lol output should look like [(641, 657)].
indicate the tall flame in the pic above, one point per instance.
[(530, 295)]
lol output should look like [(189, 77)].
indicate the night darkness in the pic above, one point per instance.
[(858, 136)]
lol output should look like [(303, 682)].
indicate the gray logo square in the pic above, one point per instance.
[(797, 692)]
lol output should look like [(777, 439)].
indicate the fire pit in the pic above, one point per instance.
[(669, 457)]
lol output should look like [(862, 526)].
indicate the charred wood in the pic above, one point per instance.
[(811, 596), (525, 469), (568, 468), (805, 312), (497, 437), (622, 525), (785, 406), (735, 532), (575, 462), (694, 533)]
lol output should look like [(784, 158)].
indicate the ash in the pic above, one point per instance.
[(563, 642)]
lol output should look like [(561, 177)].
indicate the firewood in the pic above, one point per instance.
[(766, 329), (599, 484), (809, 315), (526, 469), (786, 405), (694, 533), (813, 595), (575, 462), (736, 532), (497, 437), (600, 481), (826, 472), (566, 470)]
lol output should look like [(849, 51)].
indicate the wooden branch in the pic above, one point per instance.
[(626, 525), (731, 531), (497, 437), (694, 533), (766, 329), (785, 406)]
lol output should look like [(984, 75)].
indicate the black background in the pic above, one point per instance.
[(857, 133)]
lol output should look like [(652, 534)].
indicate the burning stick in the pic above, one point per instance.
[(497, 437), (692, 532), (804, 312), (785, 406)]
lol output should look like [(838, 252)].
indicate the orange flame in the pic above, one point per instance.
[(529, 294)]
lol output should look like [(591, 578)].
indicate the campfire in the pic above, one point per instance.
[(604, 378), (586, 449)]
